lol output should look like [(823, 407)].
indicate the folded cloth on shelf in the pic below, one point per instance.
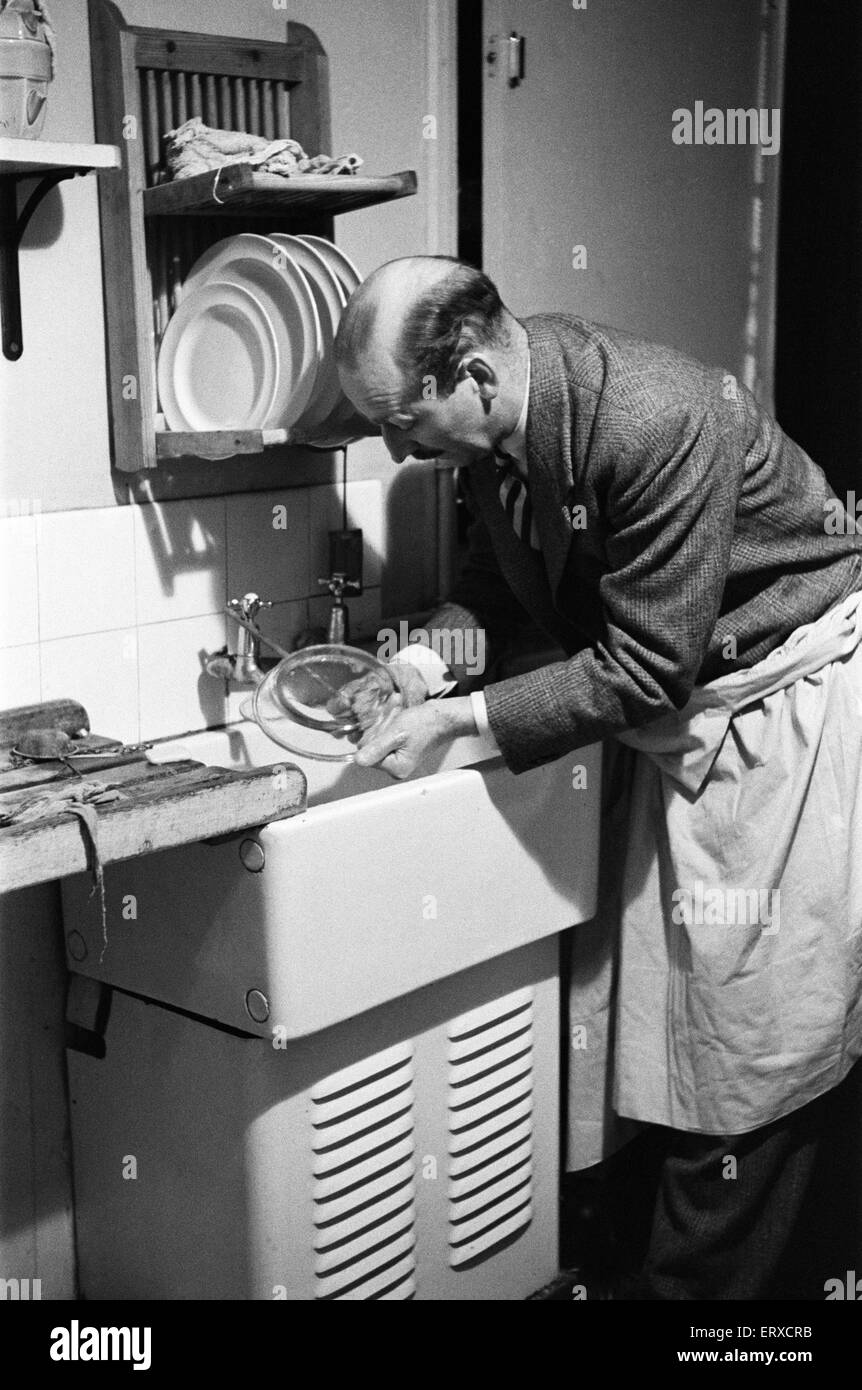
[(194, 148)]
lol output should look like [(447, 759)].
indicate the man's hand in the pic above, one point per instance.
[(410, 682), (407, 736), (362, 698)]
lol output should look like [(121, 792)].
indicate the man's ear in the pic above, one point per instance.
[(477, 367)]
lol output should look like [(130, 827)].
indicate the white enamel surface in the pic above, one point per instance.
[(19, 582), (245, 1140), (245, 745), (338, 260), (330, 298), (274, 278), (379, 888), (218, 363)]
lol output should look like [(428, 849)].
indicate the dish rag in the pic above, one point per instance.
[(194, 148), (81, 801)]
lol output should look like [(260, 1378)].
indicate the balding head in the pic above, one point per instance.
[(427, 351), (416, 317)]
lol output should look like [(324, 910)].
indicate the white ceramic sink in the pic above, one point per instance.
[(377, 889), (246, 745)]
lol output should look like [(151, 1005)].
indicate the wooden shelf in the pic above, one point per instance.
[(226, 444), (157, 808), (154, 231), (25, 158), (238, 189), (215, 444), (50, 163)]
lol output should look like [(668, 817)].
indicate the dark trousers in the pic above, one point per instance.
[(695, 1216), (726, 1208)]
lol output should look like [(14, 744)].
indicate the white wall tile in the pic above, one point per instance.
[(20, 681), (100, 670), (283, 622), (364, 613), (81, 580), (86, 571), (180, 559), (364, 509), (266, 558), (19, 594), (176, 694)]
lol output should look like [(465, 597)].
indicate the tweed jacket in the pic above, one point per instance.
[(683, 536)]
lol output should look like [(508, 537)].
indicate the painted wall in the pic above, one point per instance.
[(380, 78), (93, 585), (115, 604)]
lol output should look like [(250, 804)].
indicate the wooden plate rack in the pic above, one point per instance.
[(145, 83)]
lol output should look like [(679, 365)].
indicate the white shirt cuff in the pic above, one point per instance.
[(430, 664), (480, 715)]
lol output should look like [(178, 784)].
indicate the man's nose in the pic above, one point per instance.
[(398, 442)]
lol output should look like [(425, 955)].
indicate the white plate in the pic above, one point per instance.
[(336, 259), (218, 364), (272, 275), (331, 299)]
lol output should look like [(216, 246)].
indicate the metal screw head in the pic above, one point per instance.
[(257, 1005), (77, 945), (252, 855)]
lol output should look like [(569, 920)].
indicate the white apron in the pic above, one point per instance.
[(732, 884)]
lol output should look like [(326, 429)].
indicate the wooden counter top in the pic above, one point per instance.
[(157, 807)]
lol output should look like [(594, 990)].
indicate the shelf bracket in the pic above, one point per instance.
[(12, 228)]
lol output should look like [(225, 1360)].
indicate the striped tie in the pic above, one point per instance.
[(516, 500)]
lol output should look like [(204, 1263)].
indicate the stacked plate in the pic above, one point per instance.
[(251, 344)]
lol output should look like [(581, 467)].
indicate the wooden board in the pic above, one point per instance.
[(19, 775), (41, 156), (128, 289), (310, 111), (216, 444), (220, 55), (18, 784), (137, 97), (161, 807), (238, 188), (67, 715), (146, 82)]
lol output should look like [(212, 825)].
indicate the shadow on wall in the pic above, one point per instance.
[(408, 543), (410, 580), (46, 226), (269, 471)]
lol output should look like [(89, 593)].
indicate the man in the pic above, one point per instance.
[(655, 521)]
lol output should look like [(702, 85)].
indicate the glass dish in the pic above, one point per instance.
[(296, 704)]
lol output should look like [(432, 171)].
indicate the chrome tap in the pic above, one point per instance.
[(345, 577), (338, 628), (242, 666)]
